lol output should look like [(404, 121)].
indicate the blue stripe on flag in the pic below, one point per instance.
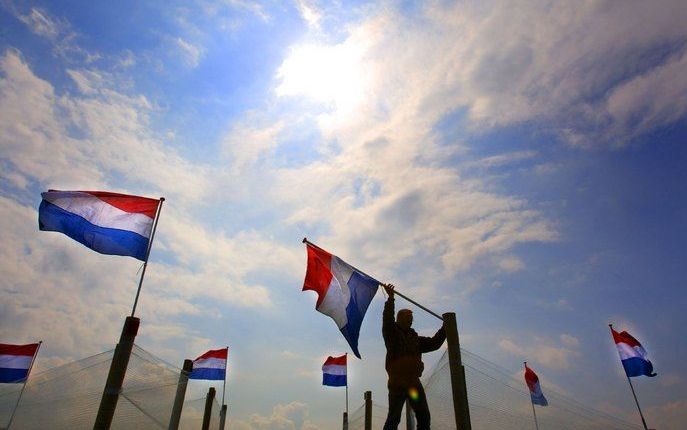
[(363, 289), (104, 240), (8, 376), (539, 400), (333, 380), (637, 366), (207, 373)]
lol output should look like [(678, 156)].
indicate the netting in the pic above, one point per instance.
[(499, 401), (68, 397)]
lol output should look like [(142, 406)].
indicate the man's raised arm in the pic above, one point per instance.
[(429, 344)]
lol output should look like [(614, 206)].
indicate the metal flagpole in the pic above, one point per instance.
[(145, 262), (346, 383), (305, 240), (641, 415), (33, 359), (637, 402), (224, 385)]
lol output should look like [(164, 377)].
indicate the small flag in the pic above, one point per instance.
[(632, 355), (334, 371), (344, 293), (108, 223), (532, 381), (15, 362), (211, 365)]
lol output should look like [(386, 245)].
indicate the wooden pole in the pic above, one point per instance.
[(368, 410), (305, 240), (180, 395), (345, 421), (26, 380), (115, 376), (458, 384), (208, 408)]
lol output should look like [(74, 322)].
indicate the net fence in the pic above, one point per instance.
[(497, 400), (68, 397)]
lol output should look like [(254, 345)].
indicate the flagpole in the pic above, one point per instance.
[(641, 415), (145, 262), (346, 383), (224, 385), (21, 393), (536, 424), (396, 292)]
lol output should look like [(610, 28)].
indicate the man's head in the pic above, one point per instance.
[(404, 318)]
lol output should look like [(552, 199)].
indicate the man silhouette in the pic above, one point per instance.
[(404, 349)]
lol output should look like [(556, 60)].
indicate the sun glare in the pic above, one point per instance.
[(327, 74)]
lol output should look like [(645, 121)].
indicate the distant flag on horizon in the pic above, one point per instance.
[(15, 362), (344, 293), (334, 371), (212, 365), (108, 223), (632, 355), (532, 381)]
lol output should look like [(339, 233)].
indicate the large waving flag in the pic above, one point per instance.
[(109, 223), (15, 362), (334, 371), (532, 381), (211, 365), (344, 293), (632, 355)]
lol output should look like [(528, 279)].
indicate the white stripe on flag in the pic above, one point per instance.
[(15, 361), (626, 351), (99, 213), (210, 363), (334, 369)]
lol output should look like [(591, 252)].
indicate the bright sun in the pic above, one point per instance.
[(327, 74)]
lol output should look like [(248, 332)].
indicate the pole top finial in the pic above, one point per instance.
[(162, 199), (610, 325), (305, 240)]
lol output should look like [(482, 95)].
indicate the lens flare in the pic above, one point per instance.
[(413, 394)]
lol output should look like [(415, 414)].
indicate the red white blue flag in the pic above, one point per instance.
[(15, 362), (108, 223), (334, 371), (212, 365), (344, 293), (632, 355), (532, 381)]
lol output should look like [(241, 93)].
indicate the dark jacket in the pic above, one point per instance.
[(404, 349)]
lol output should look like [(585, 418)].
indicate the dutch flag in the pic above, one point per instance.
[(212, 365), (344, 293), (334, 371), (109, 223), (532, 381), (15, 362), (632, 355)]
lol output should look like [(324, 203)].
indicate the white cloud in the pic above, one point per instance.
[(551, 356), (291, 416), (309, 11), (190, 52)]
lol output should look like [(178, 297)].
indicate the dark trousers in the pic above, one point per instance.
[(396, 400)]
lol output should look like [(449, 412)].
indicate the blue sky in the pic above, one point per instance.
[(519, 163)]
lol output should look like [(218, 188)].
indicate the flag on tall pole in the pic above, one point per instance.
[(344, 293), (334, 371), (635, 361), (632, 355), (16, 362), (211, 366), (532, 381), (108, 223)]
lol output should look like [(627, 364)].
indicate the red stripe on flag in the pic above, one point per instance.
[(531, 379), (341, 361), (318, 275), (127, 203), (625, 337), (27, 350), (215, 353)]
